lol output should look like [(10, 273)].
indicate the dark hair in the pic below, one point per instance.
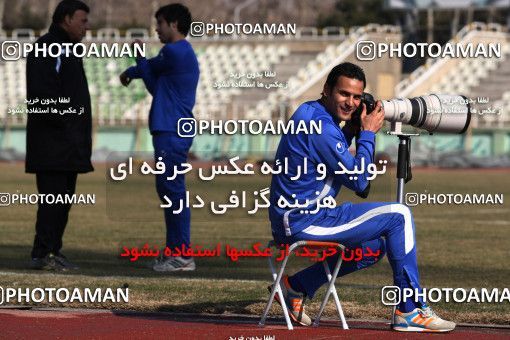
[(176, 12), (68, 7), (348, 70)]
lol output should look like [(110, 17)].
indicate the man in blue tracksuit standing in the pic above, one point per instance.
[(172, 79), (382, 227)]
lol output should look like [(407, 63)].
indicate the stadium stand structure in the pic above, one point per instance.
[(496, 87), (12, 89), (227, 72), (479, 79), (219, 57), (110, 99), (306, 82), (296, 66)]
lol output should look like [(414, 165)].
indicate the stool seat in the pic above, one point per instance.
[(277, 277)]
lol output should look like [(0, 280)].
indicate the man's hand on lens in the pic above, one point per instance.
[(124, 79), (373, 121)]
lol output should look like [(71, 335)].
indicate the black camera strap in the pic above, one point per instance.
[(364, 194), (404, 159)]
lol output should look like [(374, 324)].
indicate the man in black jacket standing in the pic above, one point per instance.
[(59, 144)]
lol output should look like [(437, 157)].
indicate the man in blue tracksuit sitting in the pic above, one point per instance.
[(382, 227), (172, 79)]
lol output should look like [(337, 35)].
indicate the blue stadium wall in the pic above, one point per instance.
[(481, 143)]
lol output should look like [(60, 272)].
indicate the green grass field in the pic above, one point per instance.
[(458, 245)]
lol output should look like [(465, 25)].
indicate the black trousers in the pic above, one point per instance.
[(52, 218)]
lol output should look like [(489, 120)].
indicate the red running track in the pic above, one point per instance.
[(93, 324)]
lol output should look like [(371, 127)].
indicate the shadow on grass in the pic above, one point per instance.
[(229, 307), (16, 258)]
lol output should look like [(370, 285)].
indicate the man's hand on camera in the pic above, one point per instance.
[(375, 120), (124, 79)]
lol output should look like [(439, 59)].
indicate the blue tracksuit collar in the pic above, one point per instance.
[(319, 106)]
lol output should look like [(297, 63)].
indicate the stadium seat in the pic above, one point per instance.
[(137, 33), (23, 33), (277, 277), (333, 31), (108, 34)]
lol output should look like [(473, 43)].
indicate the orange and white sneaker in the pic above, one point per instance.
[(420, 320), (294, 302)]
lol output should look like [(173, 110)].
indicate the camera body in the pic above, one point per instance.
[(369, 101)]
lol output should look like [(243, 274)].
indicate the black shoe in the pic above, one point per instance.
[(49, 262), (64, 262)]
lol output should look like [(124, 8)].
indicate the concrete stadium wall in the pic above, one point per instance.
[(297, 45)]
